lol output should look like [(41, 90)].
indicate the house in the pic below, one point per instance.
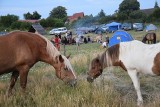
[(147, 11), (75, 16)]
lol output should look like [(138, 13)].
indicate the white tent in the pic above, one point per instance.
[(151, 27)]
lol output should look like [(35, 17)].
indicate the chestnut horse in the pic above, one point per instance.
[(150, 37), (19, 51), (134, 57)]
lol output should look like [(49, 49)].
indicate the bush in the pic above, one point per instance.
[(16, 25), (25, 26)]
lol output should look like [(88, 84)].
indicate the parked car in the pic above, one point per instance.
[(61, 30), (138, 26), (3, 33), (126, 26)]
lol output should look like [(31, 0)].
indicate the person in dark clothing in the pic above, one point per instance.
[(59, 35), (85, 40), (89, 39)]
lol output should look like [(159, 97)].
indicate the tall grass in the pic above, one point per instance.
[(113, 89)]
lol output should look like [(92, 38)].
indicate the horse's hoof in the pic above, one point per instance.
[(140, 103)]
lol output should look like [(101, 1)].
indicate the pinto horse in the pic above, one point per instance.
[(150, 37), (134, 57), (19, 51)]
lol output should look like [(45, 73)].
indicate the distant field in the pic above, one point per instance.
[(113, 89)]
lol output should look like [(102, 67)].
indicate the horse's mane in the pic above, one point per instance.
[(110, 55), (51, 49), (68, 65), (53, 52)]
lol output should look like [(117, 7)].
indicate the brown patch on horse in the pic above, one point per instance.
[(113, 53), (156, 66)]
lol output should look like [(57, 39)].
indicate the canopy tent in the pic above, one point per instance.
[(114, 26), (119, 36), (151, 27)]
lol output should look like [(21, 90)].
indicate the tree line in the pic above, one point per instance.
[(128, 11)]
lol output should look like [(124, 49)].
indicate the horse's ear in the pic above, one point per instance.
[(61, 59)]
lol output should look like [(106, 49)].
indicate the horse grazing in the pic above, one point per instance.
[(150, 37), (19, 51), (134, 57)]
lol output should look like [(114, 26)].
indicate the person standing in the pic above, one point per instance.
[(57, 42), (107, 38), (77, 42)]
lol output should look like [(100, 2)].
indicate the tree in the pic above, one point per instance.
[(156, 13), (59, 13), (6, 21), (101, 14), (25, 25), (27, 15), (16, 25), (156, 5), (138, 15), (122, 16), (128, 6), (35, 15)]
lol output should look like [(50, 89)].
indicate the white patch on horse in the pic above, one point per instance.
[(138, 56)]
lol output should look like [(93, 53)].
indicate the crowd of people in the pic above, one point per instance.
[(78, 39)]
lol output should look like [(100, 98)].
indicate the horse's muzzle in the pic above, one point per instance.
[(72, 83), (90, 79)]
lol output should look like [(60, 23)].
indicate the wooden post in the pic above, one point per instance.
[(64, 46)]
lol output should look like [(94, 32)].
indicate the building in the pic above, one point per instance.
[(148, 11), (75, 16), (29, 21)]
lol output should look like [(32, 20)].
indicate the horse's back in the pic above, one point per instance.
[(17, 48), (136, 55)]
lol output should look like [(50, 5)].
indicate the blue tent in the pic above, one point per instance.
[(119, 36), (114, 26)]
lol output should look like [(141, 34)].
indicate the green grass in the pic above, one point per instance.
[(113, 89)]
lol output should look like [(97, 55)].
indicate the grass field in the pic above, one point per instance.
[(113, 89)]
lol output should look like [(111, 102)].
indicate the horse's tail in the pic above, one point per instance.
[(144, 39)]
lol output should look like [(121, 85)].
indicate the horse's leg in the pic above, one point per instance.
[(135, 79), (13, 80), (23, 72)]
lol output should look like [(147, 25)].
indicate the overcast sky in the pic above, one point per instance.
[(43, 7)]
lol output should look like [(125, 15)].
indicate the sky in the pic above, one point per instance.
[(43, 7)]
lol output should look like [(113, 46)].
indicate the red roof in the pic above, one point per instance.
[(30, 21), (75, 16)]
